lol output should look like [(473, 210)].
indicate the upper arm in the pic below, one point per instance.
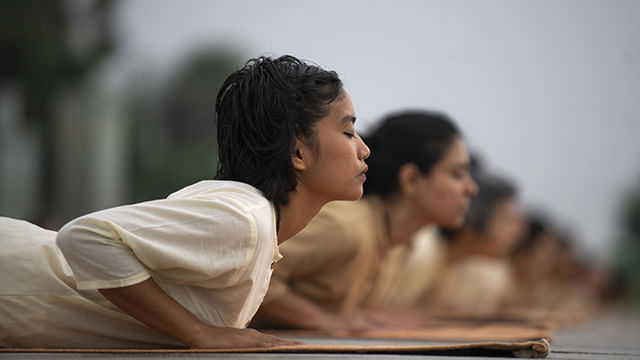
[(180, 241)]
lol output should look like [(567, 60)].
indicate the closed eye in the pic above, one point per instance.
[(349, 134), (458, 174)]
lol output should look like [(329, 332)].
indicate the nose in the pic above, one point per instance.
[(472, 187), (363, 150)]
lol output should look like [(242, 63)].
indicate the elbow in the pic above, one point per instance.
[(82, 234), (65, 237), (70, 235)]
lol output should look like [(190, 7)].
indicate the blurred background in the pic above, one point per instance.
[(104, 103)]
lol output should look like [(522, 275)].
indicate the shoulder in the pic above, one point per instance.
[(360, 222), (340, 226), (223, 210), (239, 210), (348, 214), (229, 197), (241, 194), (482, 268)]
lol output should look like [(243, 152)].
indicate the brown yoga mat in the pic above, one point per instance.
[(527, 349), (441, 331)]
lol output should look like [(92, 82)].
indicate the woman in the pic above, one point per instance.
[(419, 176), (192, 269), (478, 276)]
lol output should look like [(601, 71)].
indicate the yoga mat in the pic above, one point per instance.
[(441, 331), (528, 349)]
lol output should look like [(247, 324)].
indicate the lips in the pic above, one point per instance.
[(465, 208), (363, 173)]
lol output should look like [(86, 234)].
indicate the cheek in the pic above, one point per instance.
[(337, 153), (447, 193), (328, 157), (500, 234), (439, 202)]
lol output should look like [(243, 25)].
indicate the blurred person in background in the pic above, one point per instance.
[(553, 282), (419, 176), (477, 277), (533, 262), (193, 268), (572, 285), (411, 272)]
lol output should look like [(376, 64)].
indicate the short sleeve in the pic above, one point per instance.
[(206, 242)]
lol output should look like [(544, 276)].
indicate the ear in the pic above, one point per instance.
[(300, 158), (408, 179)]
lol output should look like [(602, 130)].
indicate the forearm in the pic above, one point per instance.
[(294, 311), (149, 304)]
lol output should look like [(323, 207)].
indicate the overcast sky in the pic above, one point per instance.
[(548, 92)]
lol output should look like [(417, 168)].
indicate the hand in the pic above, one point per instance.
[(211, 337)]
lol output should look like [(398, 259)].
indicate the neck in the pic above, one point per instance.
[(462, 246), (469, 243), (403, 220), (521, 270), (300, 210)]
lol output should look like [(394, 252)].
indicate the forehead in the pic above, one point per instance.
[(455, 154), (508, 205), (342, 106), (341, 112)]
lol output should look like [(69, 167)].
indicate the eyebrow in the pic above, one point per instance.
[(463, 165), (349, 119)]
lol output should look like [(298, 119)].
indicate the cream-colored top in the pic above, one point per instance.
[(410, 272), (474, 284), (334, 261), (210, 246)]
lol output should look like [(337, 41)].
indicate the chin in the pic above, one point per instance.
[(455, 223), (355, 195)]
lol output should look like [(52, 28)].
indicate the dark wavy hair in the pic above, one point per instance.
[(418, 137), (261, 109)]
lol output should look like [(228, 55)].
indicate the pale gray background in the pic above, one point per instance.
[(547, 91)]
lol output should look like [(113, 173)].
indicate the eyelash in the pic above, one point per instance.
[(459, 174), (349, 134)]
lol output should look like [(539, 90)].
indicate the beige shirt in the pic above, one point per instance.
[(410, 272), (334, 261), (210, 246), (475, 283)]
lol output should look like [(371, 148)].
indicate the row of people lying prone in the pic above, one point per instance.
[(435, 236), (193, 269)]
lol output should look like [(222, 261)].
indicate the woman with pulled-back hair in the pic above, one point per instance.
[(477, 277), (192, 269), (419, 175)]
